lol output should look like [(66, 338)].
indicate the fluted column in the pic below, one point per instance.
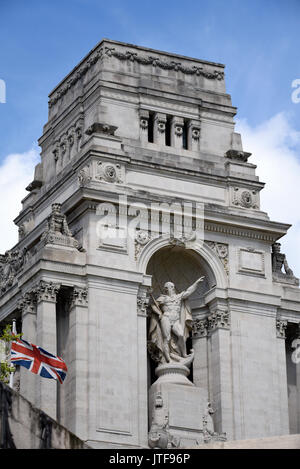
[(46, 293)]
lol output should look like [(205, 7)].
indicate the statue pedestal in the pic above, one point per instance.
[(179, 412), (173, 373)]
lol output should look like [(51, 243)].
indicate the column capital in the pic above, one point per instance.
[(47, 291), (79, 297), (281, 326), (27, 303), (219, 320), (199, 328)]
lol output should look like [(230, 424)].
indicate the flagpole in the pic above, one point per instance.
[(11, 377)]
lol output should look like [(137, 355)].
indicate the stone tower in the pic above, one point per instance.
[(144, 181)]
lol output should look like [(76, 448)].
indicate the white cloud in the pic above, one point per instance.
[(16, 172), (274, 145)]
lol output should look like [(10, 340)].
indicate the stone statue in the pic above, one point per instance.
[(170, 324), (279, 261), (10, 264), (159, 435), (57, 231)]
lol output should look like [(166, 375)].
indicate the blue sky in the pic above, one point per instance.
[(257, 40), (42, 40)]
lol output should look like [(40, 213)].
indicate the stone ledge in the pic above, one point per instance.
[(274, 442), (30, 427)]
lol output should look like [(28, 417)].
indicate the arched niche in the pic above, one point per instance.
[(182, 266)]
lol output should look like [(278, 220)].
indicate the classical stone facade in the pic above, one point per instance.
[(142, 181)]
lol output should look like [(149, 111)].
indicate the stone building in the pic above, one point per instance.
[(142, 181)]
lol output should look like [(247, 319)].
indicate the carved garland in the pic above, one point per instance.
[(133, 57)]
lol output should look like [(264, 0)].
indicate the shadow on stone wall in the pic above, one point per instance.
[(23, 426)]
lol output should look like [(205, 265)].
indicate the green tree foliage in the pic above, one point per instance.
[(6, 338)]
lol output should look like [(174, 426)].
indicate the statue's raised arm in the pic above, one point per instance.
[(189, 291)]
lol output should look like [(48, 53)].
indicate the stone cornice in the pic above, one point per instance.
[(143, 56)]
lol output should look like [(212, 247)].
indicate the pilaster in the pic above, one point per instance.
[(46, 293), (77, 379)]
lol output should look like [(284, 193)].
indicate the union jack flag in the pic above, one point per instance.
[(38, 360)]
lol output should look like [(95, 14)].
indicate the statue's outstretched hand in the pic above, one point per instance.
[(200, 279)]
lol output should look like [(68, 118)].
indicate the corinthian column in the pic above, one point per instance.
[(46, 293)]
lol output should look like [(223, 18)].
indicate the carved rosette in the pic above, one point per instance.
[(281, 326), (245, 198), (109, 172), (47, 291), (218, 320), (144, 122), (178, 130), (221, 250)]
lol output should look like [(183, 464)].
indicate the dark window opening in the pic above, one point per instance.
[(150, 127), (185, 135), (168, 131)]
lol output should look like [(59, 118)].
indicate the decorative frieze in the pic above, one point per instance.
[(240, 232), (163, 64), (133, 57)]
